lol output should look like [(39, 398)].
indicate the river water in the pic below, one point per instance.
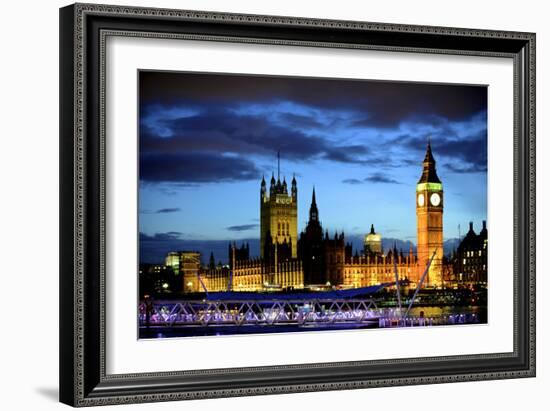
[(460, 316)]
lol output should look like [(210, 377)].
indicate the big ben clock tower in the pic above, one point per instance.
[(429, 222)]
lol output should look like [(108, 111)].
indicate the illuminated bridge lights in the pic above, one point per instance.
[(277, 312), (263, 312)]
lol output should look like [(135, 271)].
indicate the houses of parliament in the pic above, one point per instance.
[(316, 258)]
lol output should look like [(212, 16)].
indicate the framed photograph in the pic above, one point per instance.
[(262, 204)]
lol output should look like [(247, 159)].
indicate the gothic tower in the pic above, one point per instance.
[(429, 221), (311, 247), (279, 214)]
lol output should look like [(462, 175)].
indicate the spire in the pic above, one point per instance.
[(212, 262), (483, 232), (429, 174), (279, 186), (313, 211), (429, 156), (372, 229), (294, 189), (279, 165), (263, 189)]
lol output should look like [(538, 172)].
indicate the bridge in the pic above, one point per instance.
[(266, 311)]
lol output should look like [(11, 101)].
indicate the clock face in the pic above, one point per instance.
[(421, 200), (435, 199)]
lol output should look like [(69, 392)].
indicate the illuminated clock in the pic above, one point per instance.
[(435, 199), (421, 200)]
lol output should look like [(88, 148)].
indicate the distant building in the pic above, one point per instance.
[(373, 242), (158, 279), (172, 260), (186, 265), (470, 259), (190, 265)]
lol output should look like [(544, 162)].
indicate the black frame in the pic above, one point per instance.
[(83, 29)]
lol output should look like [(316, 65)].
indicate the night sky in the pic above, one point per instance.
[(207, 139)]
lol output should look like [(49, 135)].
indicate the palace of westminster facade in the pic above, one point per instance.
[(316, 259)]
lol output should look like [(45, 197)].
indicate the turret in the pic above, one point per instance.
[(483, 232), (294, 189), (263, 189), (313, 211), (272, 186)]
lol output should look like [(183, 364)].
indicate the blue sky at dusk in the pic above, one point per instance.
[(207, 139)]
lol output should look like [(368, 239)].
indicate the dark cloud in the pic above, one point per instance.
[(168, 236), (381, 178), (221, 130), (203, 128), (218, 145), (195, 168), (168, 210), (373, 178), (299, 121), (467, 155), (348, 154), (470, 168), (458, 154), (385, 104), (243, 227), (352, 181)]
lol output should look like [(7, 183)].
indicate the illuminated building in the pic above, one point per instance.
[(371, 269), (254, 274), (278, 215), (429, 222), (187, 264), (373, 242), (470, 259), (318, 259), (330, 261), (190, 264), (172, 260)]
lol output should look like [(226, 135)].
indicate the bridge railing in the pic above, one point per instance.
[(266, 312)]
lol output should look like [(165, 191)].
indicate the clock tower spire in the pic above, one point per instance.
[(429, 221)]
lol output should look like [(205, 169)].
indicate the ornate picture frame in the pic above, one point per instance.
[(84, 380)]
